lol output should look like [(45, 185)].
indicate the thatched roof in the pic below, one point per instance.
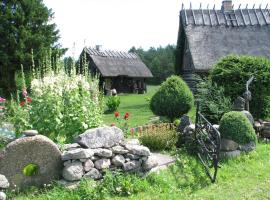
[(213, 34), (115, 63)]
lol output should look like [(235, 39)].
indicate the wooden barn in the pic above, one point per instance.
[(122, 71), (207, 35)]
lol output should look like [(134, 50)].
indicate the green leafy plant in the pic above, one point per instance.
[(232, 72), (158, 139), (235, 126), (30, 169), (213, 102), (173, 99), (113, 103)]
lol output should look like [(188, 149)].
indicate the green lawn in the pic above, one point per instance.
[(137, 105), (246, 177)]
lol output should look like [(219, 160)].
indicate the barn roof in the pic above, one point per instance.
[(116, 63), (212, 34)]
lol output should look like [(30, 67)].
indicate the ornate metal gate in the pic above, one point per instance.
[(208, 144)]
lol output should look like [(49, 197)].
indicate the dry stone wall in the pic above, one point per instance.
[(101, 149)]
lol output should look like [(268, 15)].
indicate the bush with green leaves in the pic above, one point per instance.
[(173, 99), (159, 139), (235, 126), (213, 102), (232, 72), (113, 102)]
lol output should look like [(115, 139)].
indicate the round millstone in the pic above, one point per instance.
[(38, 150)]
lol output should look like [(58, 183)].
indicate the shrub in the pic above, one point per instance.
[(173, 99), (113, 103), (159, 139), (213, 102), (235, 126), (232, 72)]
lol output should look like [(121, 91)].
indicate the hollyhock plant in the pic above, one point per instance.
[(122, 123), (116, 114), (2, 100)]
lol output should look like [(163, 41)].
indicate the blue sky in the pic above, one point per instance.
[(121, 24)]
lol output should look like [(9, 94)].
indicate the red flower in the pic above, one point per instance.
[(2, 100), (29, 100), (22, 104), (126, 116), (132, 131), (116, 114)]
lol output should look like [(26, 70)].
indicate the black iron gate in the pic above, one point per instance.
[(208, 144)]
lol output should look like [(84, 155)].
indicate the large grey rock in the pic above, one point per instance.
[(105, 153), (247, 147), (73, 171), (130, 142), (102, 163), (118, 160), (68, 184), (88, 165), (228, 145), (150, 163), (4, 184), (72, 146), (77, 154), (100, 137), (132, 156), (93, 174), (119, 150), (38, 150), (132, 165), (3, 196), (138, 150)]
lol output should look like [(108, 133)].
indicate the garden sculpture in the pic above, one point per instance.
[(247, 93)]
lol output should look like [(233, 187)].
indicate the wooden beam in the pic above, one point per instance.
[(244, 20), (257, 16), (209, 15), (193, 15), (249, 16), (216, 14), (203, 16), (263, 15)]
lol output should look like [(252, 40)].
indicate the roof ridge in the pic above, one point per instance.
[(111, 53)]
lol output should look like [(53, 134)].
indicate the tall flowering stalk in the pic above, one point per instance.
[(122, 123)]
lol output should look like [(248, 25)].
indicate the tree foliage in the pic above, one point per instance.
[(159, 60), (25, 25)]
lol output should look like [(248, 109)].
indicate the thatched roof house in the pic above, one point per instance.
[(122, 71), (206, 35)]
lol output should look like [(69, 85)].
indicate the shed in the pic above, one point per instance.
[(122, 71), (207, 35)]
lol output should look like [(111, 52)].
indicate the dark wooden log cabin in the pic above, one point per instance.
[(207, 35), (122, 71)]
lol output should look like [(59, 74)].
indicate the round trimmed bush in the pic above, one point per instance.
[(173, 99), (235, 126)]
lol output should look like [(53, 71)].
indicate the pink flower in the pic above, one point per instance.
[(24, 93), (2, 100)]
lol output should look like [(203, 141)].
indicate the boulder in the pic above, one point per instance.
[(73, 171), (247, 147), (102, 163), (118, 160), (105, 153), (130, 142), (138, 150), (93, 174), (67, 162), (249, 116), (150, 163), (38, 150), (100, 137), (30, 133), (132, 165), (3, 196), (4, 184), (132, 156), (119, 150), (68, 184), (77, 154), (88, 165), (228, 145), (73, 146)]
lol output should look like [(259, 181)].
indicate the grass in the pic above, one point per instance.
[(246, 177), (137, 105)]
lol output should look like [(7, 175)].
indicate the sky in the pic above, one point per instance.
[(121, 24)]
